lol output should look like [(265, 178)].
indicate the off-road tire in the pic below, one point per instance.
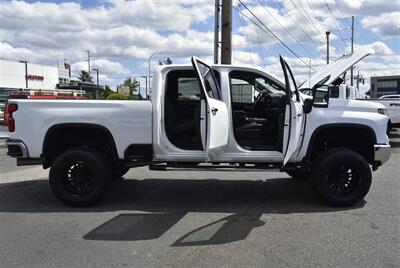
[(342, 177), (79, 177)]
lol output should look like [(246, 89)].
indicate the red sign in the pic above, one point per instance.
[(35, 77)]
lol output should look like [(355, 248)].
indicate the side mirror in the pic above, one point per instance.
[(307, 105), (321, 95)]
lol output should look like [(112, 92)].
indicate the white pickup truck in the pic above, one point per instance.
[(203, 117)]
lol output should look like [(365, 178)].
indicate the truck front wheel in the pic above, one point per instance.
[(342, 177), (79, 177)]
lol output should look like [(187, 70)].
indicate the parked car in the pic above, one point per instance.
[(203, 117), (391, 97)]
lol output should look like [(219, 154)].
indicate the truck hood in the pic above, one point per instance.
[(335, 69), (354, 105)]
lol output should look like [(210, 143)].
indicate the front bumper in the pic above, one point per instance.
[(17, 148), (382, 153)]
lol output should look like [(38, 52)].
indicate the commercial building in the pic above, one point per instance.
[(29, 78), (385, 85), (25, 76)]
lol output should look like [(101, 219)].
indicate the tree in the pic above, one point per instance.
[(107, 91), (116, 96), (168, 61), (85, 77), (133, 85)]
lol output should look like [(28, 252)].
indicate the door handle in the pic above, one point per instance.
[(214, 110)]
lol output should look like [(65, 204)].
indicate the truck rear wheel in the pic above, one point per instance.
[(342, 177), (79, 177)]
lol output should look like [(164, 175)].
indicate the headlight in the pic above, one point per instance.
[(382, 111)]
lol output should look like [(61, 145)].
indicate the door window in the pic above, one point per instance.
[(258, 111), (209, 78)]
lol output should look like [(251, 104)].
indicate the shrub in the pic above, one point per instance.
[(117, 96)]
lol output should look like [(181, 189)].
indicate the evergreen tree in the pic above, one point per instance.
[(85, 77)]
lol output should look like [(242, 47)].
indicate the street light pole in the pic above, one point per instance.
[(145, 77), (327, 46), (155, 53), (88, 60)]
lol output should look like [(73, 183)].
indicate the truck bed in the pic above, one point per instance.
[(129, 122)]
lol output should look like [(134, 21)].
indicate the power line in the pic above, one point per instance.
[(341, 13), (335, 22), (297, 24), (307, 15), (269, 30), (246, 39), (286, 30), (308, 21)]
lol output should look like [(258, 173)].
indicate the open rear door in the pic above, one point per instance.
[(214, 120), (296, 122)]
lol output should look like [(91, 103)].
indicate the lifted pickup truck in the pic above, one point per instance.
[(205, 117)]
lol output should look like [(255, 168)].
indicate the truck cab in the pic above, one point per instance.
[(204, 117)]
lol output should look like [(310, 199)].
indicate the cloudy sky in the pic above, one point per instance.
[(122, 34)]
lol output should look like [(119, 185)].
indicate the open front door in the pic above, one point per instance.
[(296, 122), (214, 120)]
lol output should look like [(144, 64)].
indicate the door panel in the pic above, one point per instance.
[(214, 132), (297, 116)]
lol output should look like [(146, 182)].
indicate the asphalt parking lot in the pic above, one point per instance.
[(193, 219)]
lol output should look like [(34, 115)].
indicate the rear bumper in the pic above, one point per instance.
[(382, 153), (17, 148)]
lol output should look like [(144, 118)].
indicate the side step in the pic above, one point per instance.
[(261, 167)]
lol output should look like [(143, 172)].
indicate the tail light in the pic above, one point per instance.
[(10, 108)]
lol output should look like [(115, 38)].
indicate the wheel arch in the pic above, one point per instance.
[(85, 129), (341, 133)]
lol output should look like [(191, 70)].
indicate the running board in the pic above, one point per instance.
[(272, 167)]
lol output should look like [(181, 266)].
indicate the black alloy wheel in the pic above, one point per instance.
[(342, 177), (79, 177)]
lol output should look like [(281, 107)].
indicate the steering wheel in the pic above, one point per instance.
[(263, 100)]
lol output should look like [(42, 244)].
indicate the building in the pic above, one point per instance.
[(25, 76), (28, 78), (385, 85)]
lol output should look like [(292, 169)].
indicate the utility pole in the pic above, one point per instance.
[(97, 82), (226, 32), (327, 46), (358, 80), (352, 47), (216, 31), (88, 60)]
